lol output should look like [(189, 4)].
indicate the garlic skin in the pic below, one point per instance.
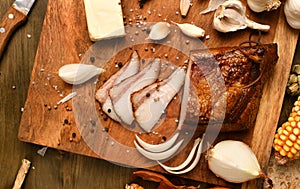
[(292, 13), (212, 6), (159, 31), (191, 30), (263, 5), (234, 161), (231, 16), (76, 74)]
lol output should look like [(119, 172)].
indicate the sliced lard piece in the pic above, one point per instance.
[(121, 93), (102, 95), (150, 103)]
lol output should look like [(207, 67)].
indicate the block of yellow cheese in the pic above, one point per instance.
[(104, 19)]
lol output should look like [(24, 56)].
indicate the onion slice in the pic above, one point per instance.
[(176, 170), (186, 162), (157, 147), (185, 96), (161, 155)]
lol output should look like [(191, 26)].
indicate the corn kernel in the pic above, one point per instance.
[(279, 131), (297, 118), (277, 148), (292, 137), (289, 128), (289, 143), (291, 118), (297, 146), (294, 151), (290, 155), (283, 137), (286, 148), (279, 142), (298, 141), (293, 123), (285, 132), (296, 131), (282, 152)]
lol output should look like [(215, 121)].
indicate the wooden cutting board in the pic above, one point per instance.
[(73, 125)]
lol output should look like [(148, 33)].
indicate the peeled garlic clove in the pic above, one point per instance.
[(157, 147), (191, 30), (160, 155), (159, 31), (184, 7), (292, 13), (263, 5), (234, 161), (212, 6), (78, 73)]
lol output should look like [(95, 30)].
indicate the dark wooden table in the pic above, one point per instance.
[(56, 169)]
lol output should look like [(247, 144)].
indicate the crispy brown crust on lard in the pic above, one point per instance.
[(243, 70)]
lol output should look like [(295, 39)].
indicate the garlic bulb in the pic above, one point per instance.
[(292, 13), (191, 30), (231, 16), (235, 162), (159, 31), (263, 5), (78, 73)]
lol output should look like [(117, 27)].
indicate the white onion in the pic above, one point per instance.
[(157, 147)]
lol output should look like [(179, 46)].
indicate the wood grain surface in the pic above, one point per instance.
[(70, 127), (58, 169)]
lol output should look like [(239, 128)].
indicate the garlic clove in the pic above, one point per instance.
[(78, 73), (231, 16), (191, 30), (160, 155), (234, 161), (257, 26), (158, 147), (212, 6), (159, 31), (184, 7), (263, 5), (292, 13)]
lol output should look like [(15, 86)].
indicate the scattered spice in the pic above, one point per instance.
[(105, 118), (92, 59), (66, 121)]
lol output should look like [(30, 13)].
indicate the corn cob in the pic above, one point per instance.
[(287, 138)]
